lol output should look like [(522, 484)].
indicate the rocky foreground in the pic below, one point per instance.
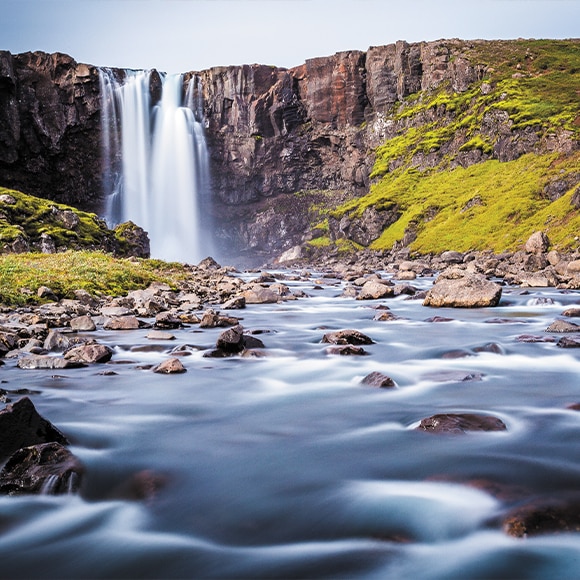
[(64, 333)]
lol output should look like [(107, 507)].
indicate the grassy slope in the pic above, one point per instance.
[(507, 201)]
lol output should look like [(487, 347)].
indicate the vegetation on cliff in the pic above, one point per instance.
[(485, 167), (29, 223)]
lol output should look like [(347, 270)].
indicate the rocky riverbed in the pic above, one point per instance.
[(366, 417)]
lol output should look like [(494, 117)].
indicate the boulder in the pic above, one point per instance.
[(167, 320), (460, 423), (377, 379), (231, 341), (236, 303), (467, 291), (45, 362), (47, 468), (56, 341), (348, 336), (121, 323), (170, 366), (568, 342), (213, 319), (375, 289), (563, 326), (160, 335), (544, 516), (83, 324), (257, 294), (90, 353), (538, 243), (21, 426)]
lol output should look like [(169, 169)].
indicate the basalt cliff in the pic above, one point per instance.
[(433, 146)]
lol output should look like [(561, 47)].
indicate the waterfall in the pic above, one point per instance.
[(155, 161)]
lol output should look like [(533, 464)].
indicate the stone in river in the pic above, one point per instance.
[(56, 341), (232, 340), (531, 338), (457, 423), (47, 468), (385, 316), (544, 516), (236, 303), (373, 290), (90, 353), (563, 326), (83, 324), (347, 350), (169, 367), (21, 426), (348, 336), (463, 291), (257, 294), (160, 335), (213, 319), (36, 362), (121, 323), (166, 320), (571, 312), (568, 342), (377, 379), (444, 376)]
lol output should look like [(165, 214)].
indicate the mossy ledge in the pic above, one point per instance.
[(33, 224)]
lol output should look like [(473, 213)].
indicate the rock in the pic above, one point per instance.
[(209, 264), (571, 312), (439, 319), (406, 275), (213, 319), (385, 316), (451, 257), (56, 341), (42, 362), (115, 311), (347, 350), (90, 353), (121, 323), (533, 338), (468, 291), (167, 320), (374, 290), (563, 326), (133, 240), (294, 253), (444, 376), (538, 243), (260, 295), (236, 303), (544, 516), (169, 367), (232, 340), (47, 468), (46, 293), (460, 423), (83, 324), (568, 342), (348, 336), (22, 426), (380, 380), (160, 335)]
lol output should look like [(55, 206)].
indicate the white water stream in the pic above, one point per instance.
[(156, 162)]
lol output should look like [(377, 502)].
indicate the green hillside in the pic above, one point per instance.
[(484, 168)]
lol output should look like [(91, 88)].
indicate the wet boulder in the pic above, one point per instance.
[(563, 326), (463, 291), (83, 324), (257, 294), (377, 379), (90, 353), (376, 289), (170, 366), (166, 321), (46, 362), (347, 350), (348, 336), (458, 423), (21, 426), (544, 516), (121, 323), (47, 468), (213, 319)]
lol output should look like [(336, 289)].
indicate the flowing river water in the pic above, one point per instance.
[(286, 466)]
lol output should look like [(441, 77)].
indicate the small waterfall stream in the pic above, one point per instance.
[(156, 161)]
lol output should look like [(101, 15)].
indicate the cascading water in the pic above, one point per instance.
[(156, 161)]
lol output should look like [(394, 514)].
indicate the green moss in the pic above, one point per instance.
[(320, 242), (509, 205), (33, 216), (96, 272)]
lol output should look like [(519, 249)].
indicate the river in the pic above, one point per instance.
[(286, 466)]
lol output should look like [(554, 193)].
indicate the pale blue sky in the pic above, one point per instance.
[(183, 35)]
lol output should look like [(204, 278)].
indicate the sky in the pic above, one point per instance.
[(186, 35)]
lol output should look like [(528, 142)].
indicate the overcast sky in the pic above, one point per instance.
[(184, 35)]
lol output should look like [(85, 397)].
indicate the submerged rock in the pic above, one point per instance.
[(563, 326), (90, 353), (170, 367), (37, 362), (47, 468), (460, 423)]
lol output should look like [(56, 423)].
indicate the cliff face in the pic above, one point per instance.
[(286, 142), (49, 127)]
